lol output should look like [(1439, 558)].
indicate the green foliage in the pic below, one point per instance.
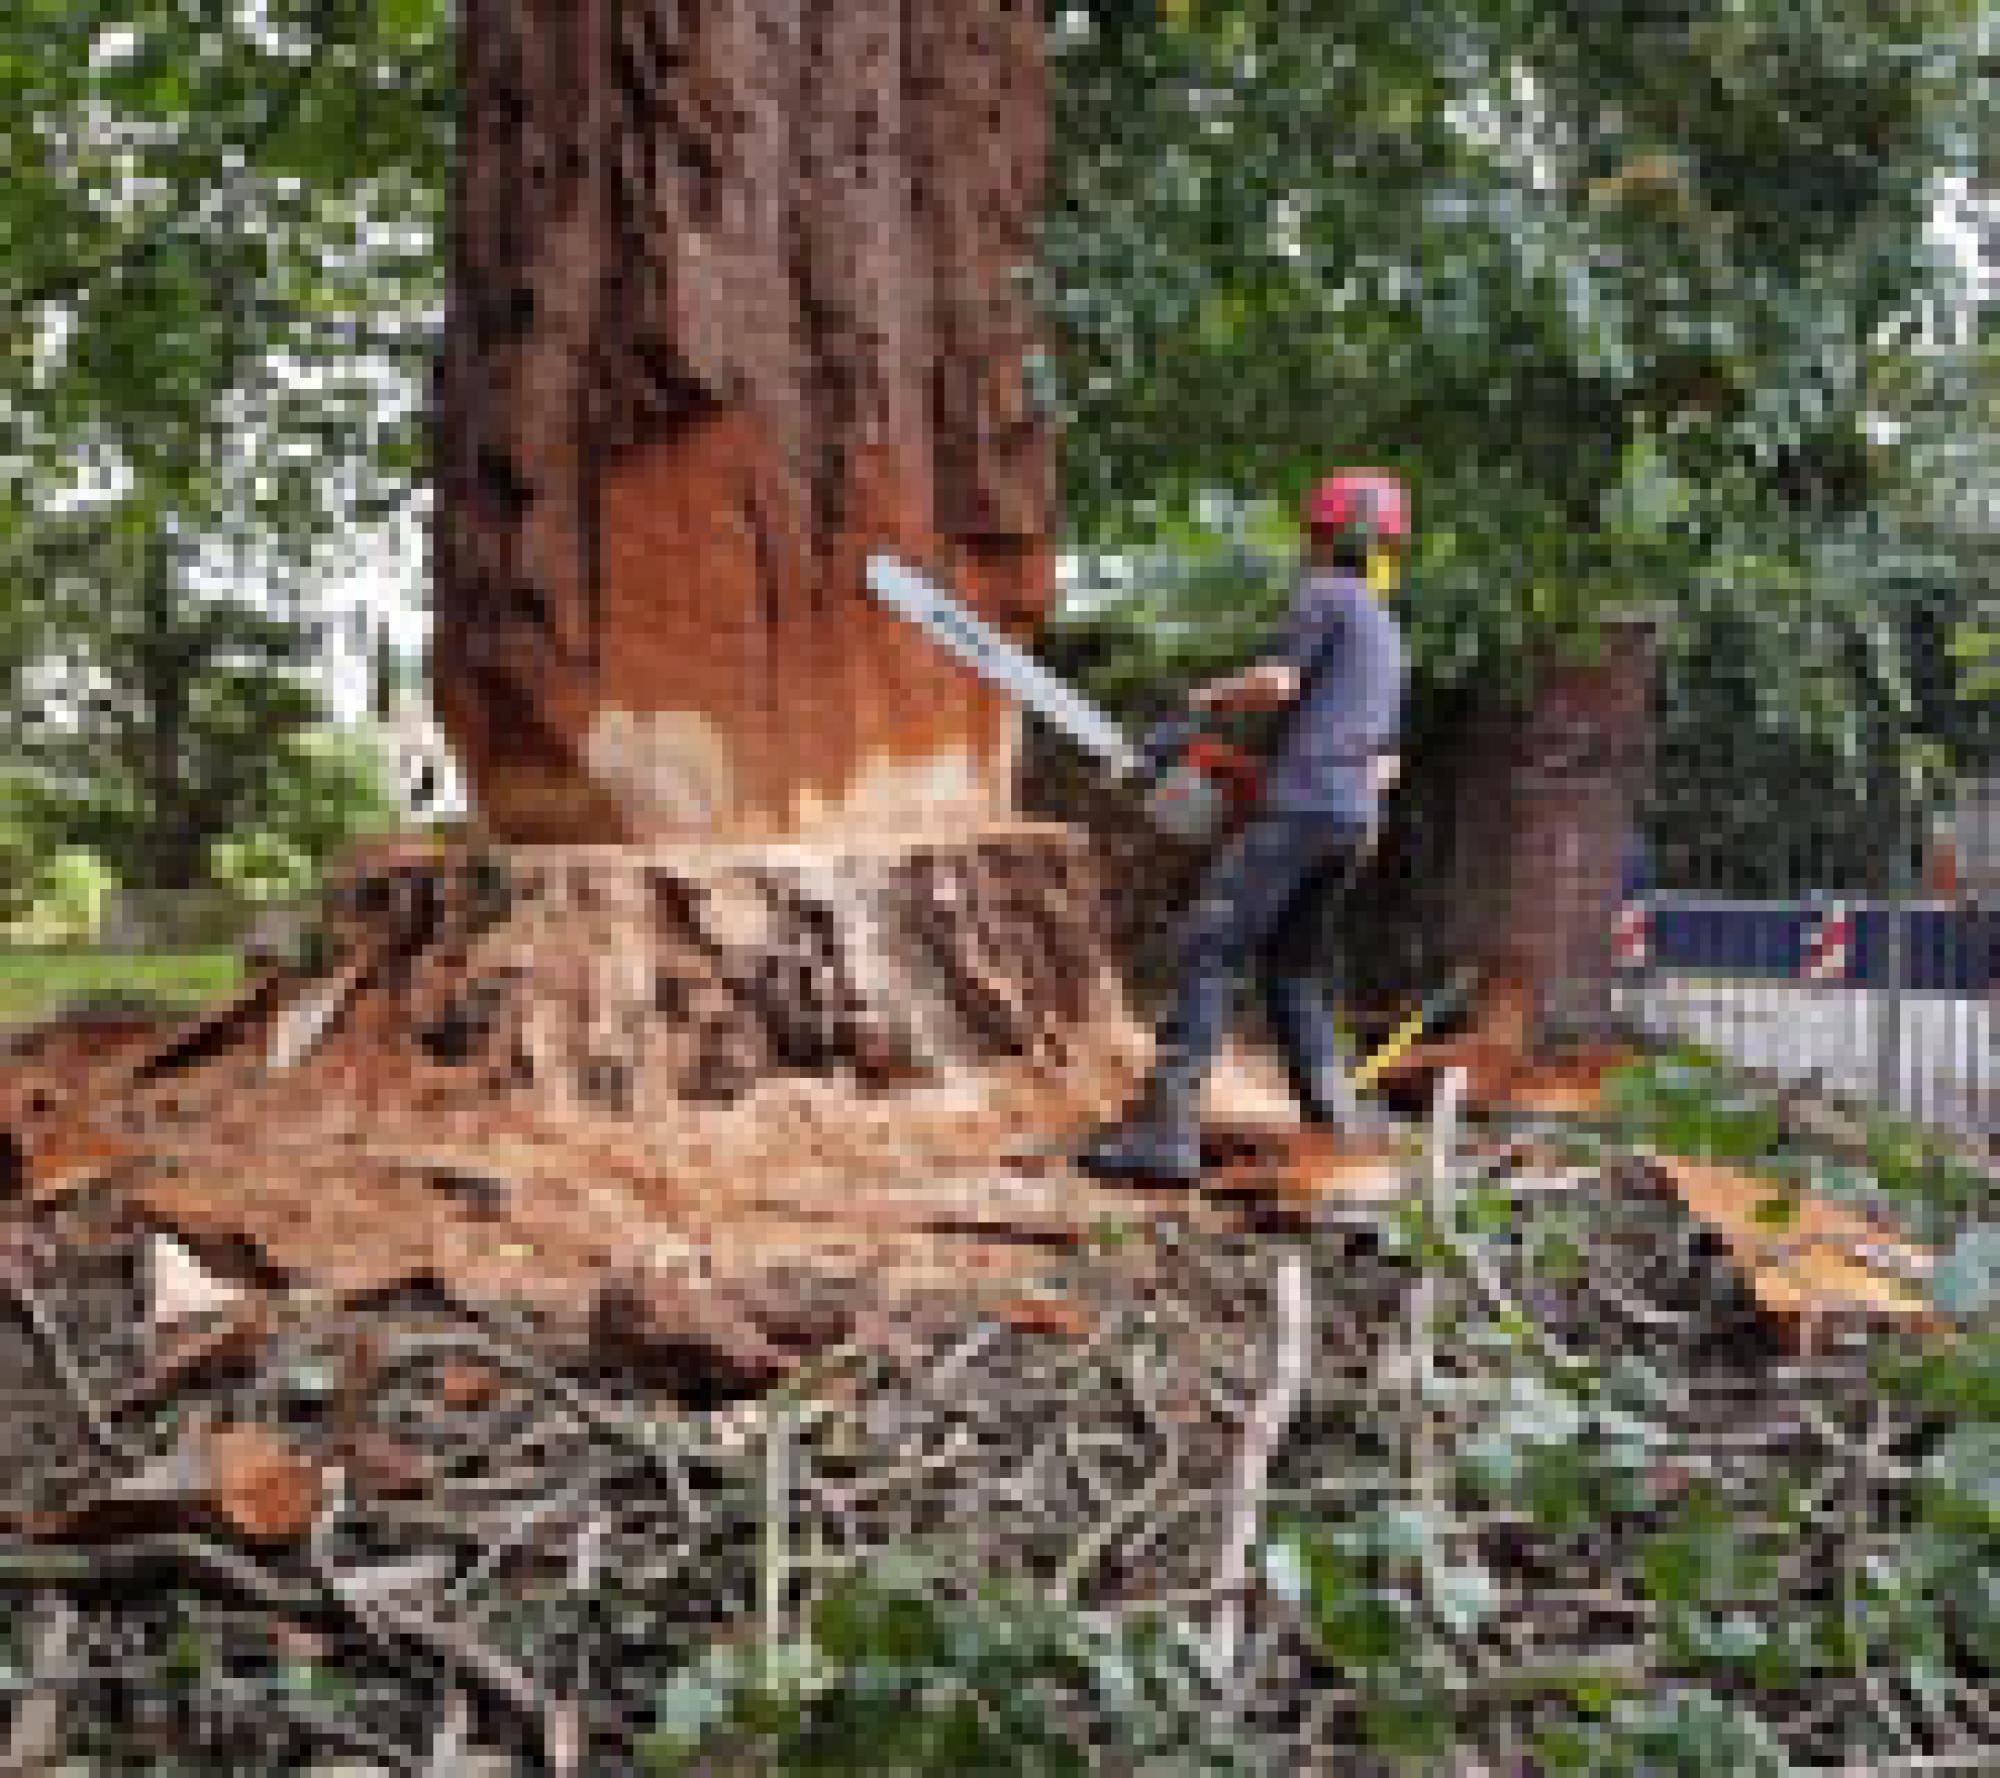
[(24, 846), (34, 985), (1708, 1576), (1197, 604), (902, 1675), (1943, 1579), (322, 788), (1963, 1473), (1371, 1591), (1602, 281), (1977, 652), (65, 899), (167, 717), (1935, 1186), (1957, 1378), (1967, 1279), (1575, 1457), (1686, 1104), (188, 1656), (1954, 1558), (260, 866), (218, 262), (1630, 294), (220, 224), (1682, 1734)]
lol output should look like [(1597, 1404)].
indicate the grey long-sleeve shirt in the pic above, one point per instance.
[(1348, 652)]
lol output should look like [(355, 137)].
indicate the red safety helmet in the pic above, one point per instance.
[(1368, 500)]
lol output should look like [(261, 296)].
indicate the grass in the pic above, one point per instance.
[(36, 983)]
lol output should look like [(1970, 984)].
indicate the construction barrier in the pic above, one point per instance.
[(1828, 947), (1948, 947), (1631, 937)]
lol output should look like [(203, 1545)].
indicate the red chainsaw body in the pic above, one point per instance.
[(1207, 791), (1239, 775)]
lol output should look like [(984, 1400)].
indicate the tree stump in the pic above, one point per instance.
[(634, 983)]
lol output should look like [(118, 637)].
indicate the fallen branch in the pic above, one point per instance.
[(199, 1561), (1266, 1430), (454, 1730), (1136, 1506), (181, 1557), (461, 1652), (56, 1345), (36, 1739), (665, 1453), (334, 1726)]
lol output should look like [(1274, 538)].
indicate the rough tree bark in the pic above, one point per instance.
[(629, 983), (737, 300), (1548, 800)]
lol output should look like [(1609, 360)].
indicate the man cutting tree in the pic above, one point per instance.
[(1338, 680)]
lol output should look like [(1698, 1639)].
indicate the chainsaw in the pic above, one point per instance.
[(1193, 784)]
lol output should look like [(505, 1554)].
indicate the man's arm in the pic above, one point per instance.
[(1311, 627), (1268, 685)]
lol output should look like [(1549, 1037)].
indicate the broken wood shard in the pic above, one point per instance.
[(301, 1025), (1280, 1161), (180, 1288), (1817, 1266), (676, 1336), (198, 1350), (247, 1480)]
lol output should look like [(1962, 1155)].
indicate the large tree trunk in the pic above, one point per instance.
[(736, 301), (1549, 797)]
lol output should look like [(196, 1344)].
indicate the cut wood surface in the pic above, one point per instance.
[(1286, 1161), (1810, 1262)]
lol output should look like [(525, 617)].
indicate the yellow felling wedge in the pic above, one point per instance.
[(1405, 1037)]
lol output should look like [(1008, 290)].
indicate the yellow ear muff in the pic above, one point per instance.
[(1384, 573)]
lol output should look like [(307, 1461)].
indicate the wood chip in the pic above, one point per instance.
[(383, 1467), (1048, 1316), (675, 1336), (466, 1388), (180, 1288), (260, 1486)]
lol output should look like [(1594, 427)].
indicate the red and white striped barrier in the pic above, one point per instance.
[(1632, 936), (1828, 954)]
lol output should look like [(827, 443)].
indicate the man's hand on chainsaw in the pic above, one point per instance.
[(1267, 686)]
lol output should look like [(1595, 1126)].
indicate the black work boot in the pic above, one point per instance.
[(1158, 1142), (1328, 1101)]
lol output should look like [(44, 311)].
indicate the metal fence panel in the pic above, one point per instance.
[(1887, 1001)]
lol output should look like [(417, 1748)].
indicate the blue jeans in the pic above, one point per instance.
[(1263, 906)]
